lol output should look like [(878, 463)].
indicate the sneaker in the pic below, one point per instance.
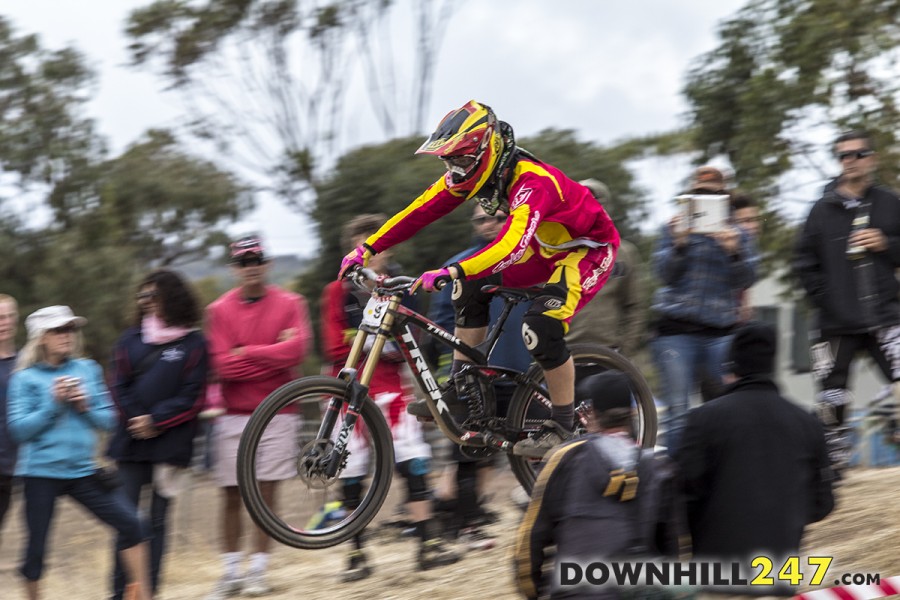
[(434, 553), (256, 584), (226, 587), (551, 435), (475, 538), (357, 567)]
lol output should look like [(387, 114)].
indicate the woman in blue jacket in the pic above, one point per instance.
[(57, 404), (159, 376)]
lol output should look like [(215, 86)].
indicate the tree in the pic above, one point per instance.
[(785, 69), (94, 223), (168, 206), (266, 79), (43, 134), (581, 160), (784, 72), (378, 179)]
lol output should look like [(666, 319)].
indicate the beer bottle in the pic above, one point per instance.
[(860, 222)]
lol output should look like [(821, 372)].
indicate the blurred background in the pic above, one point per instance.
[(137, 134)]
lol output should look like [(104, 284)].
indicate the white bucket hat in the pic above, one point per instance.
[(51, 317)]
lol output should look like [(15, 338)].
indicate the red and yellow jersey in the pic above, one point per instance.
[(548, 214)]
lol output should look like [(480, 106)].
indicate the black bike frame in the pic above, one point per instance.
[(396, 323)]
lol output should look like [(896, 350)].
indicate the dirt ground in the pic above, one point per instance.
[(861, 534)]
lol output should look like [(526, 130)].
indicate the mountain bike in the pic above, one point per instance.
[(346, 407)]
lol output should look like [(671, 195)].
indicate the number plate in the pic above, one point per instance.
[(374, 312)]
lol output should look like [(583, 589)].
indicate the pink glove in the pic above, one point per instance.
[(359, 256), (432, 281)]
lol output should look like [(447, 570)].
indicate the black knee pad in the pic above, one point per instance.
[(414, 471), (352, 492), (544, 336), (471, 305)]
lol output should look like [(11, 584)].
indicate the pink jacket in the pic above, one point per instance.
[(263, 363)]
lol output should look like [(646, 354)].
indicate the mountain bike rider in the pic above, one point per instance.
[(557, 234)]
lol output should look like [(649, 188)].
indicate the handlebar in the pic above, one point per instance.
[(361, 275)]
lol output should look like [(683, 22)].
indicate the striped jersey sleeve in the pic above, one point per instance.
[(433, 204)]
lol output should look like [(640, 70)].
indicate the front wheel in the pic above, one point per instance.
[(530, 406), (309, 510)]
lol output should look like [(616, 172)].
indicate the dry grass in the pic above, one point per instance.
[(861, 534)]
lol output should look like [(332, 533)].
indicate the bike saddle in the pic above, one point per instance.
[(514, 293)]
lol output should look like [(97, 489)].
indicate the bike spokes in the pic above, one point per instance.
[(310, 506)]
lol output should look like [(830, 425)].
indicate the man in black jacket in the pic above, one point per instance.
[(599, 497), (845, 257), (754, 466)]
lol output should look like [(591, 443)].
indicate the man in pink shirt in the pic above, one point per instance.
[(258, 335)]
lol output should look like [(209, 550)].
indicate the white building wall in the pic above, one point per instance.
[(865, 378)]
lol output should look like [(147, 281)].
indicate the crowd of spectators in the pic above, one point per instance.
[(744, 472)]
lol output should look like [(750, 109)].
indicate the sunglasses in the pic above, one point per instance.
[(482, 219), (253, 261), (854, 154), (62, 330), (141, 296)]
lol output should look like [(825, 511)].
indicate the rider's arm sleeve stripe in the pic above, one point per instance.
[(433, 204)]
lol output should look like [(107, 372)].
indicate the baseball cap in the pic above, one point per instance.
[(247, 246), (604, 391), (51, 317), (708, 178)]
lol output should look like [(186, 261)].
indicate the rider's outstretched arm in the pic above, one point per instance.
[(433, 204)]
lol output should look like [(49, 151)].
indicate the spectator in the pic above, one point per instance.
[(845, 258), (587, 500), (57, 403), (159, 372), (754, 465), (616, 316), (9, 319), (696, 307), (745, 214), (258, 335), (510, 352), (341, 316)]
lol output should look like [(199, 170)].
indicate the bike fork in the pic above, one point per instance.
[(357, 393)]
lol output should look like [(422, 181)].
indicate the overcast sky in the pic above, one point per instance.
[(607, 70)]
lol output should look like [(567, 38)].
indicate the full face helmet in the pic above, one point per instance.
[(469, 142)]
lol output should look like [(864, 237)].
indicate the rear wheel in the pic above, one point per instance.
[(308, 511), (530, 405)]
